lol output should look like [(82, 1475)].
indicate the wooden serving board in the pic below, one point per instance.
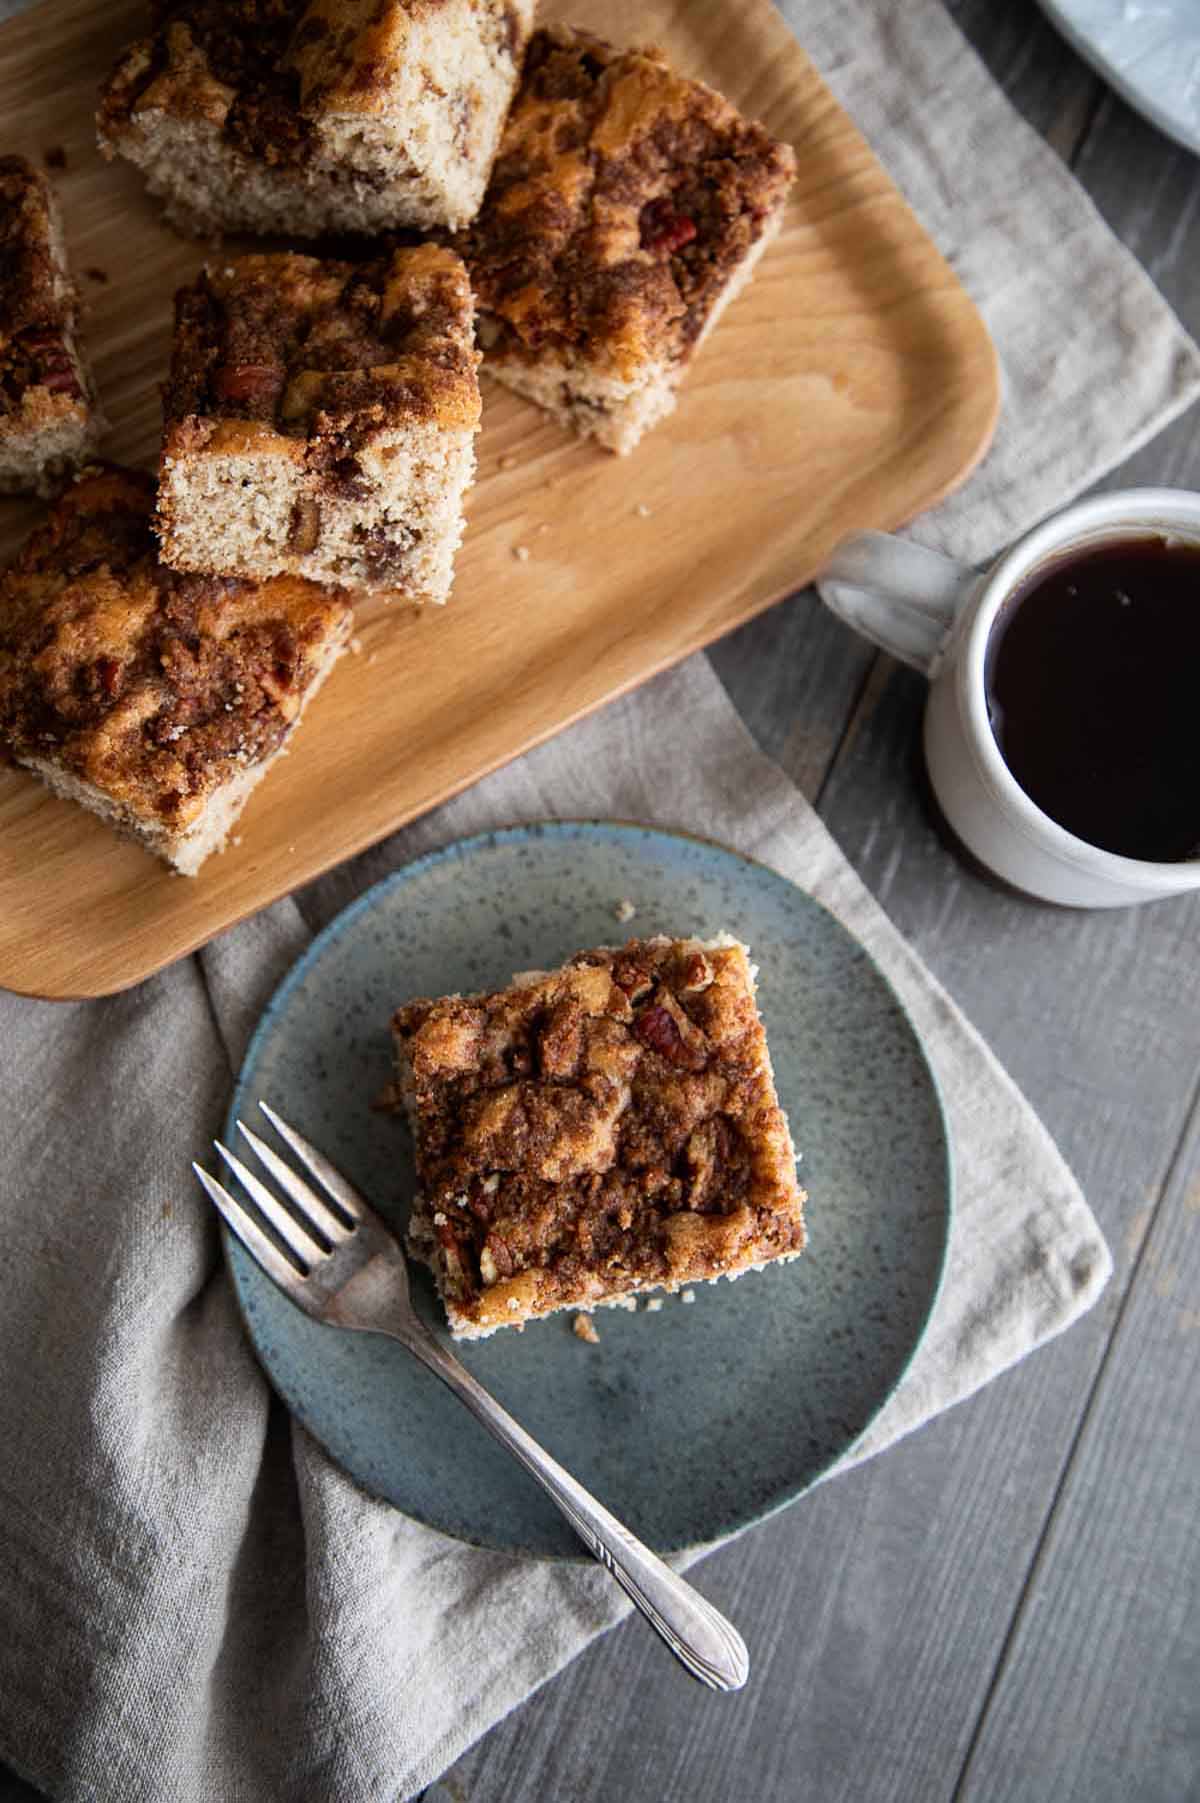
[(852, 386)]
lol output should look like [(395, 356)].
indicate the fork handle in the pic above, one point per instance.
[(699, 1635)]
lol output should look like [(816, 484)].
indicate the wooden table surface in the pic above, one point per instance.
[(1007, 1605)]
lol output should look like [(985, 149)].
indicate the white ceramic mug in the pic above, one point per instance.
[(938, 617)]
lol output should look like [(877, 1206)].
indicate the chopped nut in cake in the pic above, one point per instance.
[(154, 699), (596, 1131), (320, 421), (49, 420), (626, 209), (312, 116)]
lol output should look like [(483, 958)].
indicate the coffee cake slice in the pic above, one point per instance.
[(49, 419), (158, 701), (332, 116), (596, 1131), (628, 206), (320, 421)]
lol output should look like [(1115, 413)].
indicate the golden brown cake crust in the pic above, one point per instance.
[(609, 1126), (41, 381), (154, 687), (283, 346), (622, 201), (264, 71)]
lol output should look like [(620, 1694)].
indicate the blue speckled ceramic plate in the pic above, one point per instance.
[(689, 1421), (1149, 50)]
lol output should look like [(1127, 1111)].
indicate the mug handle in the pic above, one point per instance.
[(902, 597)]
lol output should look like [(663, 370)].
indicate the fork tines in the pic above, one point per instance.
[(310, 1229)]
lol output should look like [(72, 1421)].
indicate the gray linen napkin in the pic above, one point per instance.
[(193, 1602)]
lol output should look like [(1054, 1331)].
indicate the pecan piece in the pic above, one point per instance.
[(662, 230), (560, 1041), (253, 386), (701, 1155), (62, 381), (697, 974), (655, 1028), (41, 341), (666, 1028), (630, 976), (304, 532)]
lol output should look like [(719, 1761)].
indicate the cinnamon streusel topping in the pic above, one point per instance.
[(265, 71), (309, 348), (608, 1125), (37, 301), (153, 686), (622, 199)]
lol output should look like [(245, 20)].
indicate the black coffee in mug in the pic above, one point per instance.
[(1093, 690)]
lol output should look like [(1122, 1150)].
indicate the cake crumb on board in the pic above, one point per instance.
[(585, 1329)]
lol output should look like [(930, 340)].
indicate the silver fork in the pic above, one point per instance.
[(347, 1269)]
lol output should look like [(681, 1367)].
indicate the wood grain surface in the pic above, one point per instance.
[(851, 386)]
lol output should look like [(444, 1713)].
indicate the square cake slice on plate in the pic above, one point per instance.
[(156, 700), (320, 421), (627, 208), (335, 116), (595, 1131), (49, 420)]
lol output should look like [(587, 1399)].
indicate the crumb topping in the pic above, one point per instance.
[(615, 1121), (324, 351), (37, 300), (266, 72), (151, 685), (622, 198)]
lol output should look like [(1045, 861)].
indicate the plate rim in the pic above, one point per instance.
[(238, 1262), (1134, 93)]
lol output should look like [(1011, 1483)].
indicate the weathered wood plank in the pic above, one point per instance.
[(1037, 69), (1098, 1700), (1149, 191)]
